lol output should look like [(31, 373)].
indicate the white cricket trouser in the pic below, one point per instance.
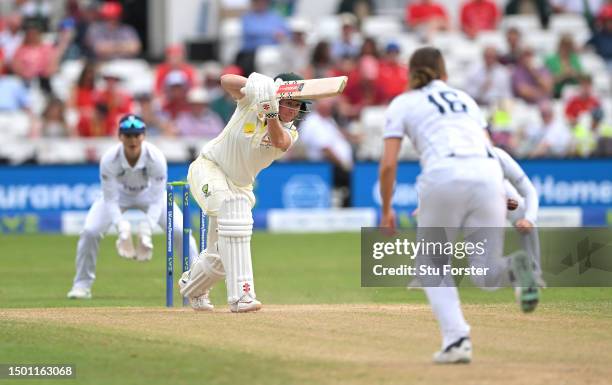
[(97, 223), (461, 193), (531, 240)]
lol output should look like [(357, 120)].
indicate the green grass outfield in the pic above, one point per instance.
[(125, 335)]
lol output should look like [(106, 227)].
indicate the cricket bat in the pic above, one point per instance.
[(311, 89)]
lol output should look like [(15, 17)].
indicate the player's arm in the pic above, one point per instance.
[(233, 85), (387, 175), (110, 189), (516, 176), (279, 137)]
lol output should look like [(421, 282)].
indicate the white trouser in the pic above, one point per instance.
[(98, 222), (461, 193)]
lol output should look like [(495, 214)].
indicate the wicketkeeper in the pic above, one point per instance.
[(133, 175), (221, 181)]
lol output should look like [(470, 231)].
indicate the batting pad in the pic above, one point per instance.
[(235, 224), (204, 274)]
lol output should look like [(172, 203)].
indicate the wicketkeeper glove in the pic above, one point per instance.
[(125, 246), (144, 251)]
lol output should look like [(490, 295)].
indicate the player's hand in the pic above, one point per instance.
[(125, 246), (523, 226), (388, 221), (512, 204)]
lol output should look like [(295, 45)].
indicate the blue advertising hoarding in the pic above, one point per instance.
[(584, 183), (33, 198)]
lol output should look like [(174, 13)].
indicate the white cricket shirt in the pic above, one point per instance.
[(244, 147), (441, 121), (144, 184)]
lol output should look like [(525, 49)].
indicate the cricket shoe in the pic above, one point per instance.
[(526, 290), (245, 304), (459, 352), (79, 293), (202, 303)]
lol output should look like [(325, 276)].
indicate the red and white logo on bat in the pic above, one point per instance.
[(288, 88)]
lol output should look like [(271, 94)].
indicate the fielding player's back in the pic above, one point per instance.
[(440, 120)]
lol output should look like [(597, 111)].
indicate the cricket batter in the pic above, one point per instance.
[(221, 181), (133, 175), (460, 187)]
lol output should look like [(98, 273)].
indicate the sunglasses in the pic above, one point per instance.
[(132, 122)]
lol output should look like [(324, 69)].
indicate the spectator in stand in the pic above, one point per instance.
[(54, 124), (362, 88), (392, 73), (324, 140), (35, 59), (551, 138), (360, 8), (564, 65), (79, 18), (531, 82), (584, 114), (479, 15), (175, 94), (489, 82), (15, 115), (369, 48), (261, 25), (158, 122), (110, 39), (321, 62), (530, 7), (11, 37), (427, 17), (601, 40), (199, 121), (579, 7), (514, 40), (224, 105), (175, 61), (350, 40), (584, 102), (296, 50), (111, 103), (82, 98), (211, 79), (39, 10)]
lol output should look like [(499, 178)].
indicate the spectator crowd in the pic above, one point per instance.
[(567, 116)]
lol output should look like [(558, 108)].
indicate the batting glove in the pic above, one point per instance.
[(267, 104)]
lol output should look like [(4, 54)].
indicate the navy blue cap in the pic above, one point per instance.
[(132, 124)]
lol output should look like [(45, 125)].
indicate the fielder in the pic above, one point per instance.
[(522, 207), (460, 187), (133, 175), (221, 179)]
